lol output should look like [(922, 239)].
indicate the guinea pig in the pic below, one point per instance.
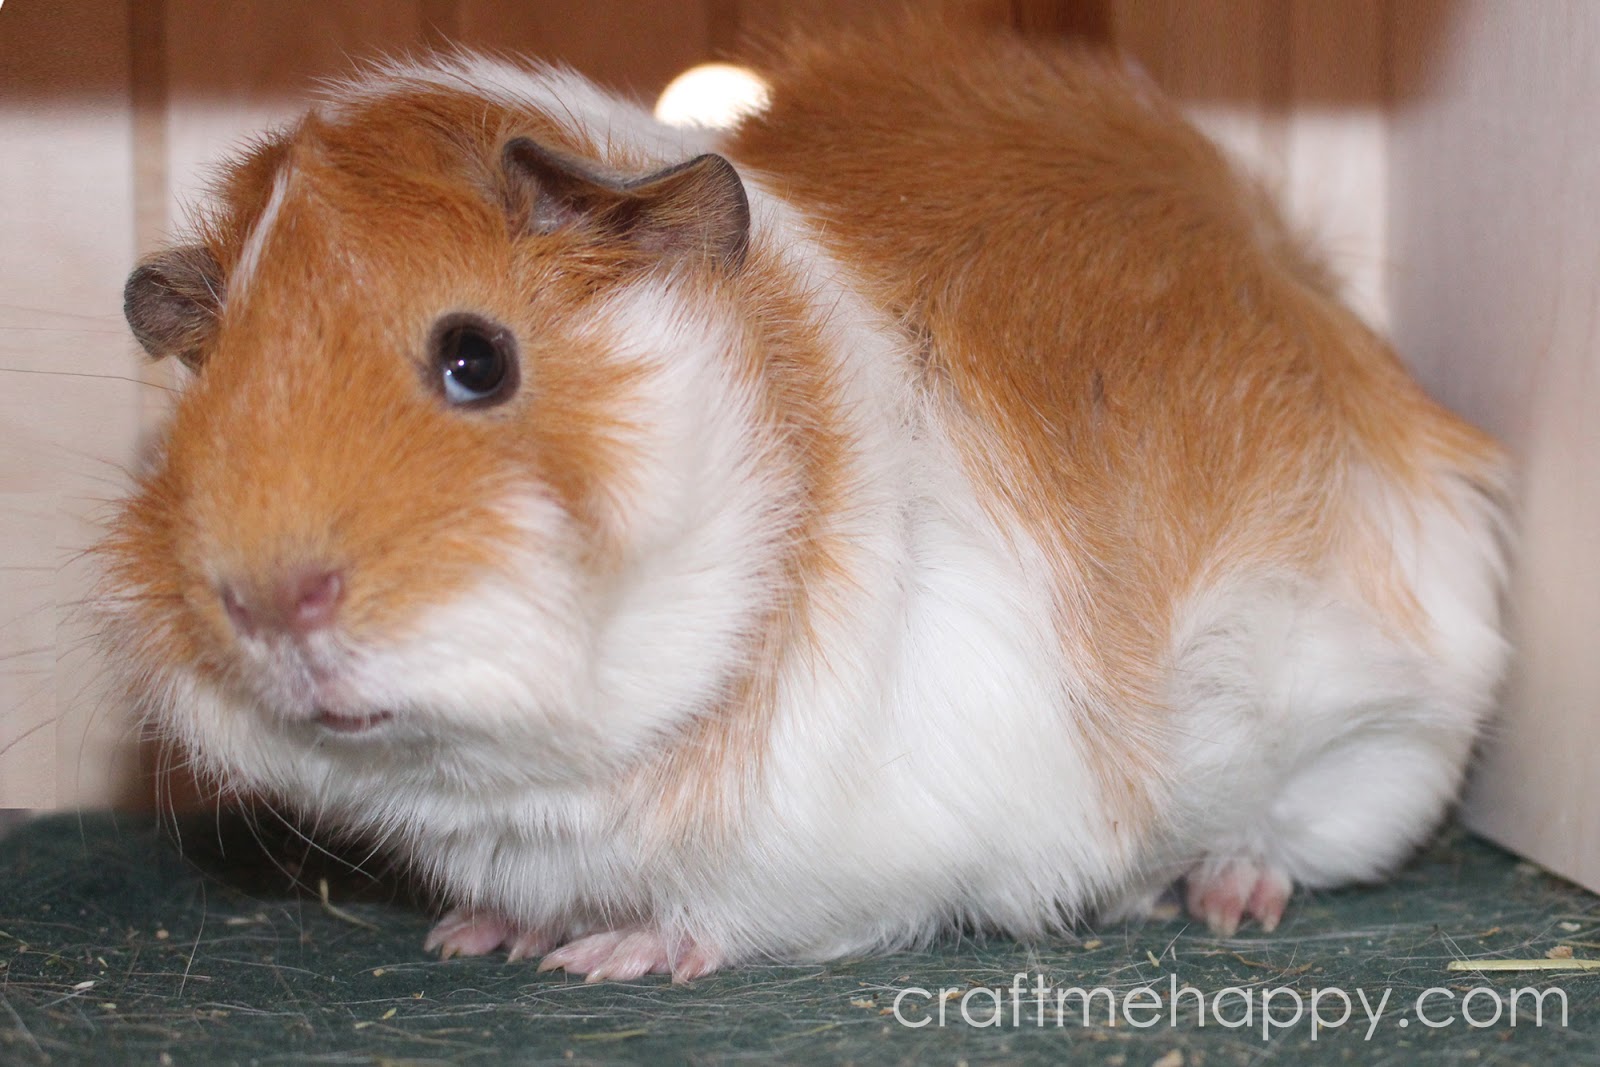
[(952, 499)]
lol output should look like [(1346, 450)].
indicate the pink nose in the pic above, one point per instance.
[(301, 603)]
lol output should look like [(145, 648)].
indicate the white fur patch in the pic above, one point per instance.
[(260, 234)]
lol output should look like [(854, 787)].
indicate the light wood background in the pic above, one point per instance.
[(1445, 175), (1495, 238)]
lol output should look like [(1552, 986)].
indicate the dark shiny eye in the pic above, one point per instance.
[(475, 359)]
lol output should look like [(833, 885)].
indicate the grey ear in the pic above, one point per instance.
[(698, 208), (172, 300)]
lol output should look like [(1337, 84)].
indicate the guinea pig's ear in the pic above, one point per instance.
[(698, 208), (172, 300)]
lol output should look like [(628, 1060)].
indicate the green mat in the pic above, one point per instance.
[(119, 946)]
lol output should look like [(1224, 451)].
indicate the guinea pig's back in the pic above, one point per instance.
[(1146, 367)]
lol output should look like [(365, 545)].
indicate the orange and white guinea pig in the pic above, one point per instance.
[(951, 499)]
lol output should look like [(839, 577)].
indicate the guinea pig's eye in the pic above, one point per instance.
[(475, 360)]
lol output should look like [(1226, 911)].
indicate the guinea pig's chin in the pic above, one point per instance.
[(332, 753), (488, 686)]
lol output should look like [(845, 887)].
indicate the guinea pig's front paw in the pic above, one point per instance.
[(629, 953), (465, 932), (1224, 892)]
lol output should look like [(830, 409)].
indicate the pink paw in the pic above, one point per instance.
[(464, 932), (629, 953), (1225, 892)]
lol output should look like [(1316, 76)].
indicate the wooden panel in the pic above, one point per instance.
[(1335, 179), (1295, 91), (738, 23), (632, 47), (229, 77), (1083, 20), (1227, 59), (69, 386), (1496, 277), (27, 649)]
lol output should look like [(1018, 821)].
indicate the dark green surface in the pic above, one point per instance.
[(207, 955)]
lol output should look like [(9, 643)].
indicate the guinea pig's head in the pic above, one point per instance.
[(468, 484)]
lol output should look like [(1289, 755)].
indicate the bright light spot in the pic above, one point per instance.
[(714, 95)]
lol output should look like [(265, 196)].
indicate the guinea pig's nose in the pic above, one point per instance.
[(301, 602)]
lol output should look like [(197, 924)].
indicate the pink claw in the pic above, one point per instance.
[(1224, 894), (464, 932), (629, 953)]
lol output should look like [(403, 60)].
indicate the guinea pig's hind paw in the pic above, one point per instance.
[(629, 953), (622, 955), (464, 932), (1225, 892), (694, 962)]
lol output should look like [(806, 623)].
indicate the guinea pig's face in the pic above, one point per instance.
[(465, 486)]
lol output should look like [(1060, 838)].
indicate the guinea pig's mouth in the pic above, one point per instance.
[(351, 724)]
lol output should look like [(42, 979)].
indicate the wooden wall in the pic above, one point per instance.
[(1495, 230), (70, 392), (111, 111)]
